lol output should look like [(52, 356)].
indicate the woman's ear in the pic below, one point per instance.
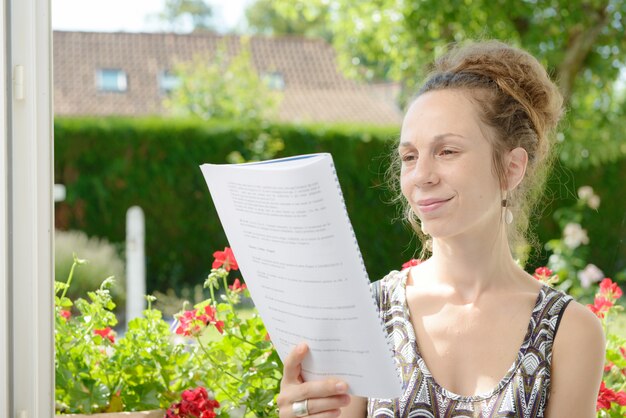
[(516, 162)]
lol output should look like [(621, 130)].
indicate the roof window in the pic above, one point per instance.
[(108, 79), (274, 80), (168, 81)]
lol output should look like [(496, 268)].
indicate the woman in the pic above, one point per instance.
[(474, 335)]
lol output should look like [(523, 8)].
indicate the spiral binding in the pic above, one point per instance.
[(374, 301)]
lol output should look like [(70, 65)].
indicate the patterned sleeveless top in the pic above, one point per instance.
[(523, 392)]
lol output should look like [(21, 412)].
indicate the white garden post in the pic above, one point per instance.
[(135, 263)]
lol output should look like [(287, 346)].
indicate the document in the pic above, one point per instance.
[(289, 230)]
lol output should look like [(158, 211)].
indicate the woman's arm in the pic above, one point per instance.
[(577, 364)]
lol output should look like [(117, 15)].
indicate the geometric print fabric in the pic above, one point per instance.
[(523, 392)]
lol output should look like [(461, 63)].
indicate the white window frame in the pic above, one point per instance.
[(26, 335), (4, 283)]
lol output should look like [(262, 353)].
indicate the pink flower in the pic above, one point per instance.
[(65, 314), (225, 259), (106, 333), (412, 262), (590, 274), (237, 287)]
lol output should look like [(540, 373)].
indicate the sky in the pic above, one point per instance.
[(131, 15)]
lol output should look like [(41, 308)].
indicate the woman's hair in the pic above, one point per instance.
[(517, 100)]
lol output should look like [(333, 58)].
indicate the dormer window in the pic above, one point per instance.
[(274, 80), (168, 81), (111, 79)]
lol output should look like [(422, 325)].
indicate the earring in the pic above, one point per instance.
[(508, 215)]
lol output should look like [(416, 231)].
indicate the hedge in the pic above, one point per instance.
[(108, 165)]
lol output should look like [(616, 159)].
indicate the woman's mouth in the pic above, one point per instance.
[(429, 205)]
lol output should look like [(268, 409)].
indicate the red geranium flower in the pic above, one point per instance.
[(193, 322), (545, 275), (610, 290), (237, 287), (209, 318), (105, 333), (542, 273), (412, 262), (600, 306), (225, 259), (620, 398), (194, 403), (65, 314), (605, 397)]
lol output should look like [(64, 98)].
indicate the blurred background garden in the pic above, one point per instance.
[(136, 113)]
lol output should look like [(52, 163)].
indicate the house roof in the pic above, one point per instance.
[(314, 88)]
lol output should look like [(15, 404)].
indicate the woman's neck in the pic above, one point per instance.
[(474, 266)]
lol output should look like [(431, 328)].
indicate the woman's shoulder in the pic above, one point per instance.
[(577, 362), (579, 325), (579, 343)]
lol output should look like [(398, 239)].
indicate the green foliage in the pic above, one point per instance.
[(263, 18), (104, 259), (570, 251), (222, 87), (612, 396), (109, 165), (248, 377), (192, 15), (581, 42), (95, 372), (149, 368)]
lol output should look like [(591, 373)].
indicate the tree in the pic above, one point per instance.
[(221, 86), (581, 42), (184, 14), (263, 18), (227, 87)]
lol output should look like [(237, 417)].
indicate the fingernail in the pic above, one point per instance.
[(341, 387)]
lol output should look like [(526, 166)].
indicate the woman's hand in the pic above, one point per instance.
[(323, 398)]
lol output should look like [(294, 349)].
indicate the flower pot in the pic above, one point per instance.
[(157, 413)]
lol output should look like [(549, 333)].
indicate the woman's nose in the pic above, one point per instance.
[(424, 172)]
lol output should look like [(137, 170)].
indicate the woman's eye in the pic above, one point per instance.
[(408, 157), (448, 152)]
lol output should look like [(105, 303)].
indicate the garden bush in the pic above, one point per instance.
[(109, 164), (103, 258)]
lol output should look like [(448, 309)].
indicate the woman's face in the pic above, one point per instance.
[(446, 173)]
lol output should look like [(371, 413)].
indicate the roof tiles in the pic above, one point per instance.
[(315, 90)]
